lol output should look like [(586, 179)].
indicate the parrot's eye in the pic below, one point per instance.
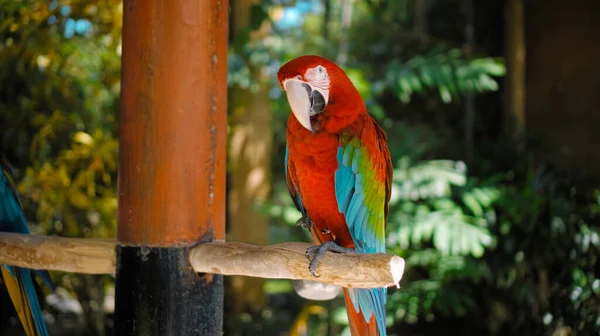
[(320, 69)]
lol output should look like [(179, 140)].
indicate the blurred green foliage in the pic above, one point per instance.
[(503, 247), (494, 250), (59, 90)]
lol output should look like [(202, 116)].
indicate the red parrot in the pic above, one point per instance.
[(339, 174)]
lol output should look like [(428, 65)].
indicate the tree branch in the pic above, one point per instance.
[(281, 261), (288, 261), (78, 255)]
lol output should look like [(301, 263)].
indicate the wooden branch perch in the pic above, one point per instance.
[(78, 255), (282, 261), (288, 261)]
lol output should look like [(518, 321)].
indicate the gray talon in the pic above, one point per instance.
[(305, 222), (317, 252)]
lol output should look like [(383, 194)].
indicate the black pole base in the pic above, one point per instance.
[(158, 293)]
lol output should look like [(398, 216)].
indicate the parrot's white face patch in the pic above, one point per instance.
[(318, 78)]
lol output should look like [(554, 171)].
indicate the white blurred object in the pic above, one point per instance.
[(61, 301), (314, 290)]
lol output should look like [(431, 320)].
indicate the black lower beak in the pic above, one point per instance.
[(317, 102)]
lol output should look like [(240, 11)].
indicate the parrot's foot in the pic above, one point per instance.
[(305, 222), (317, 252)]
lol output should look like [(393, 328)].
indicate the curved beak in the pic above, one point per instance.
[(304, 101), (298, 95)]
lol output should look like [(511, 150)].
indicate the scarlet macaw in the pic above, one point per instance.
[(339, 174), (18, 280)]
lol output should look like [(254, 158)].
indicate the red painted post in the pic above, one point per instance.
[(171, 165)]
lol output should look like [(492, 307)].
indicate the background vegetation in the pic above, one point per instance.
[(498, 238)]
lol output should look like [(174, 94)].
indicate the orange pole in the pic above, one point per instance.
[(173, 122), (171, 165)]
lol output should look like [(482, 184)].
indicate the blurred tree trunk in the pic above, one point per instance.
[(469, 32), (514, 106), (250, 150), (347, 7), (420, 29), (326, 19), (563, 86)]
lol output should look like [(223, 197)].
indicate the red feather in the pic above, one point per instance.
[(358, 323)]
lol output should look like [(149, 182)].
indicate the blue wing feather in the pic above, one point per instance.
[(351, 193), (346, 181)]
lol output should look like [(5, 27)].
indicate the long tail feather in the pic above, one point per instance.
[(46, 279), (19, 283), (359, 326)]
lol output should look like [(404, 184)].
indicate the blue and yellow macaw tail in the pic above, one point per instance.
[(19, 281)]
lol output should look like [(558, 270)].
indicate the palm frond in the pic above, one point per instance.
[(448, 72)]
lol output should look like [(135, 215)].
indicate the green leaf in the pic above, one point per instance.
[(447, 72), (472, 204)]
